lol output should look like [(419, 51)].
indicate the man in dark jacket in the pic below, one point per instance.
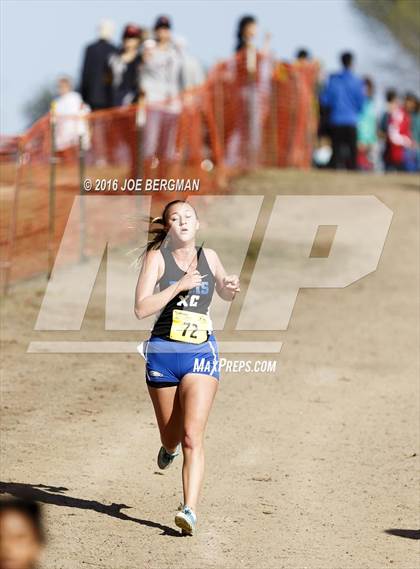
[(344, 98), (95, 85)]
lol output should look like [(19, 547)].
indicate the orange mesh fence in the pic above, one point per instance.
[(241, 98), (250, 112), (294, 114)]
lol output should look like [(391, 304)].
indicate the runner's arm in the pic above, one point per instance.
[(226, 285), (146, 302)]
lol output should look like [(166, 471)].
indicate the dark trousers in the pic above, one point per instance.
[(344, 147)]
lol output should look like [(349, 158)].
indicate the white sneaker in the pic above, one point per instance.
[(186, 520)]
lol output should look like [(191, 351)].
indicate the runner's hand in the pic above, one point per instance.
[(190, 280), (231, 282)]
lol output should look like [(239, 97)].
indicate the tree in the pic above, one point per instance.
[(401, 17)]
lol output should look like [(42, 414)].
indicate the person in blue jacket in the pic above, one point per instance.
[(344, 98)]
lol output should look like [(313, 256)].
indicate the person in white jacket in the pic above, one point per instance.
[(70, 110)]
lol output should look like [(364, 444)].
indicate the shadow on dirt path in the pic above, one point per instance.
[(54, 495)]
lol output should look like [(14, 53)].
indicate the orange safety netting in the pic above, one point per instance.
[(250, 112)]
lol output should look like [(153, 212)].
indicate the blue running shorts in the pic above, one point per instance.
[(167, 361)]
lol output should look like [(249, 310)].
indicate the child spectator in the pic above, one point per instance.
[(69, 109)]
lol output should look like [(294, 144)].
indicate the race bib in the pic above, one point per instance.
[(189, 327)]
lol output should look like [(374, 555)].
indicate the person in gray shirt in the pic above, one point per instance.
[(161, 81)]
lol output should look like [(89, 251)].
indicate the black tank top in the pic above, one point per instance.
[(197, 299)]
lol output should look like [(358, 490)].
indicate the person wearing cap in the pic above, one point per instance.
[(124, 67), (161, 80)]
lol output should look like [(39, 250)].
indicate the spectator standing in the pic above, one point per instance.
[(414, 110), (161, 81), (192, 70), (415, 127), (411, 107), (367, 129), (304, 127), (249, 74), (69, 109), (396, 125), (124, 66), (95, 85), (390, 97), (344, 97)]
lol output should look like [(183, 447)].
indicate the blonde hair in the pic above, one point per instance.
[(106, 29)]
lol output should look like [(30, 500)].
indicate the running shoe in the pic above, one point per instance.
[(186, 520), (165, 458)]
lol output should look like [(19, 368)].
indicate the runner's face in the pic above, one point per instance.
[(182, 223)]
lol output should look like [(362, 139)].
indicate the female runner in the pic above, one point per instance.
[(182, 361)]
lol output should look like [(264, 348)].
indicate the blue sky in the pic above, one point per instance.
[(41, 39)]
